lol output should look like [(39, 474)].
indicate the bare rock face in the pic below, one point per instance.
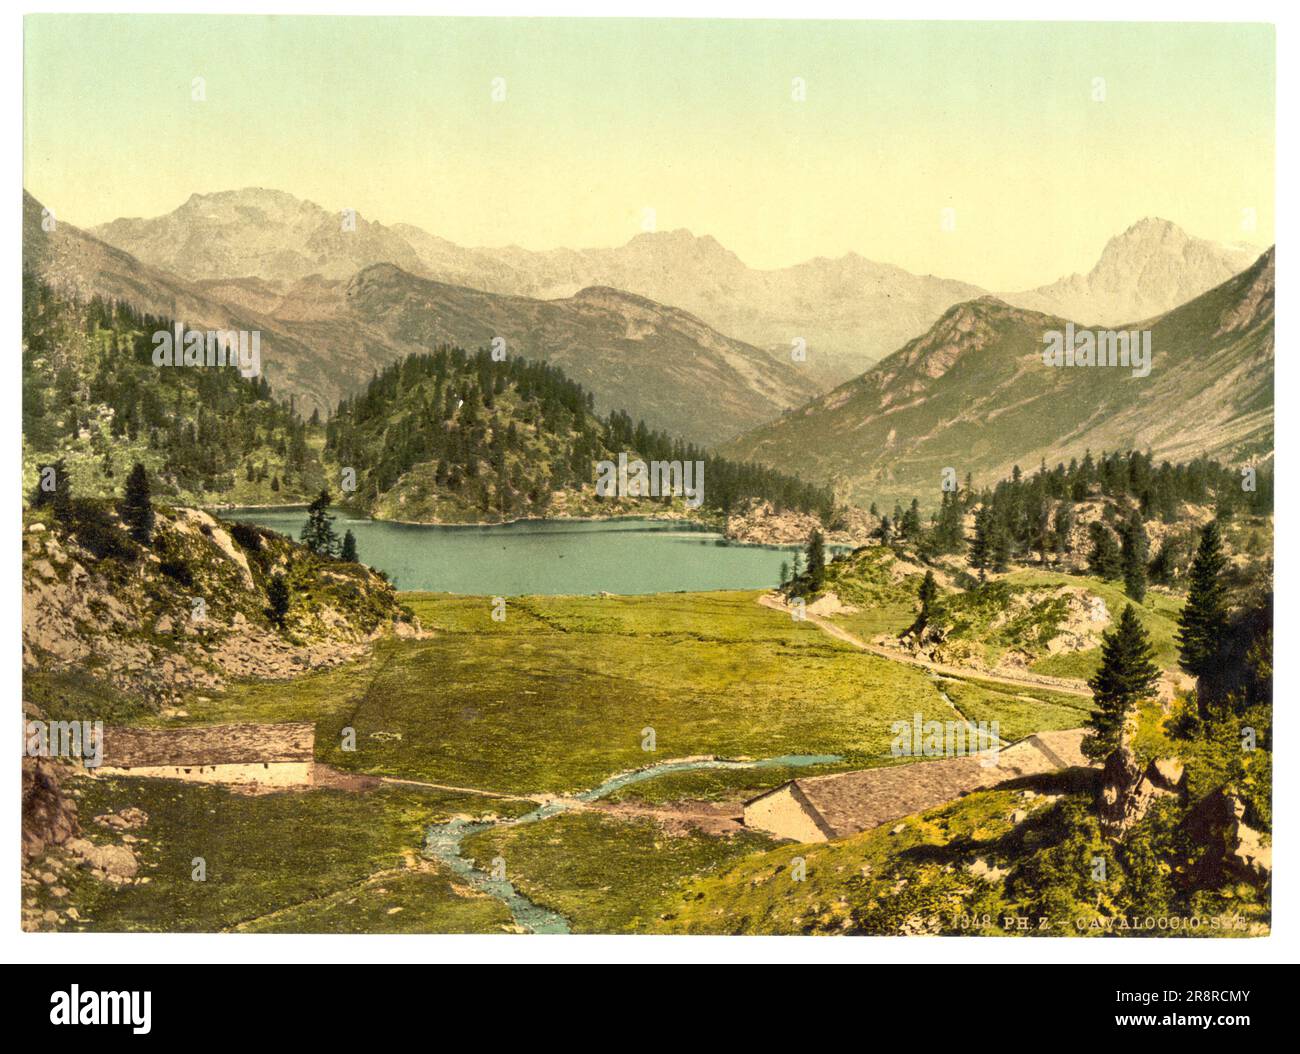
[(1234, 850), (1127, 790), (49, 816)]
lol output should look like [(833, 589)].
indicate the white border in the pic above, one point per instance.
[(1282, 946)]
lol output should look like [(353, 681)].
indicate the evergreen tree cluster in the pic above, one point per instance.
[(88, 371), (505, 434), (1031, 517)]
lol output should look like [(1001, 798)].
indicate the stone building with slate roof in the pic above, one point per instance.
[(819, 808), (271, 755)]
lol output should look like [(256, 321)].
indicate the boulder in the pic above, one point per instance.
[(112, 861)]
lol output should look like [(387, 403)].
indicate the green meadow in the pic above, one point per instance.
[(563, 692), (269, 860)]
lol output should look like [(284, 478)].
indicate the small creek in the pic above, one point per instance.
[(443, 840)]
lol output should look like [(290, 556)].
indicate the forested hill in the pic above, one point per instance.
[(450, 436), (444, 436), (94, 400)]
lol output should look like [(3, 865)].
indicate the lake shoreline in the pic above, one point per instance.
[(624, 555)]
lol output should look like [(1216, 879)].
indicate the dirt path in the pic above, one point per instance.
[(840, 633), (536, 799)]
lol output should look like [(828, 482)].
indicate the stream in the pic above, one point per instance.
[(443, 840)]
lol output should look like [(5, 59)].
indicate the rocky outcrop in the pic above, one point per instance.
[(1127, 790), (1234, 851), (49, 815), (759, 523), (191, 610)]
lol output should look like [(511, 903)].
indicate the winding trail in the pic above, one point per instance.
[(536, 799), (1050, 684)]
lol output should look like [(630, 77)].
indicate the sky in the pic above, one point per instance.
[(1043, 139)]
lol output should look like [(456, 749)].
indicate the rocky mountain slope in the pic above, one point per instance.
[(258, 233), (658, 362), (973, 394), (114, 630), (848, 310), (1145, 271), (324, 336)]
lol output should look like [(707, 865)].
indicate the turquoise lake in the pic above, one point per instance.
[(547, 556)]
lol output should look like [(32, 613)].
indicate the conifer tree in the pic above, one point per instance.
[(1126, 677), (318, 532), (911, 525), (980, 545), (1105, 560), (1062, 526), (277, 596), (928, 594), (816, 560), (349, 551), (136, 509), (1134, 559), (1204, 617)]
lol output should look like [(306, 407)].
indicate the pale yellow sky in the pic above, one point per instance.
[(1045, 138)]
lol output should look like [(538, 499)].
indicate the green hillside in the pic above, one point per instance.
[(94, 401), (973, 394)]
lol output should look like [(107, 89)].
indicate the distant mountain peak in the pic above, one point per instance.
[(1149, 268)]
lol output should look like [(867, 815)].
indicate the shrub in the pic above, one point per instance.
[(247, 536), (95, 530)]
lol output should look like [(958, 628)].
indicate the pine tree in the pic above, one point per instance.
[(136, 510), (318, 532), (911, 525), (1062, 526), (1127, 676), (1134, 559), (60, 497), (277, 596), (1105, 560), (1204, 617), (999, 545), (785, 574), (816, 560), (1161, 569), (349, 552), (979, 547), (928, 594)]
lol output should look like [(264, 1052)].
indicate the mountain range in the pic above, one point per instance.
[(323, 337), (974, 394), (673, 327), (848, 311)]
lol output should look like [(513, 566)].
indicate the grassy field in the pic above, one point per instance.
[(262, 854), (606, 875), (1017, 714), (411, 901), (558, 695)]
